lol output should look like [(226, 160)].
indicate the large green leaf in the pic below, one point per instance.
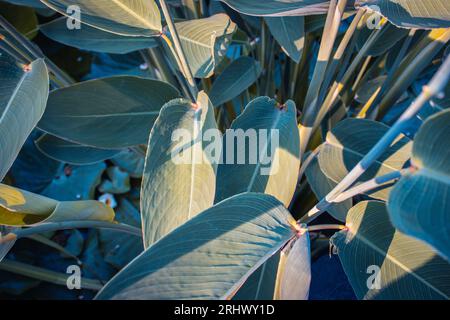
[(321, 185), (174, 189), (108, 113), (205, 42), (350, 141), (251, 164), (234, 80), (424, 14), (211, 255), (278, 7), (23, 96), (406, 268), (23, 208), (419, 205), (28, 3), (289, 33), (124, 17), (24, 19), (93, 39), (72, 153)]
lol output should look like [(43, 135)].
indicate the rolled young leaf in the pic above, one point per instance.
[(123, 17), (419, 205), (23, 97), (382, 263), (179, 177), (211, 255), (109, 113), (22, 208), (261, 152)]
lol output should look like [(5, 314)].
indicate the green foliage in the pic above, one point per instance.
[(204, 143)]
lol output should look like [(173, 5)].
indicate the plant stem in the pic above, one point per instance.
[(55, 226), (435, 87), (326, 227), (179, 50), (46, 275), (37, 54)]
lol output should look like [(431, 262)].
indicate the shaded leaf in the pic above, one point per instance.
[(115, 112), (419, 205), (179, 177), (24, 19), (203, 258), (289, 33), (118, 182), (234, 80), (72, 153), (408, 269)]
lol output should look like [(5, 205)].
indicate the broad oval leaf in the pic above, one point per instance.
[(179, 177), (211, 255), (72, 153), (350, 140), (205, 42), (93, 39), (406, 268), (109, 113), (22, 208), (276, 8), (261, 152), (234, 80), (421, 14), (419, 205), (23, 97), (289, 33), (295, 273), (123, 17), (321, 185)]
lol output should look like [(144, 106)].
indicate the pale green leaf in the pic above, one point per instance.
[(205, 42), (179, 177), (269, 166), (278, 7), (421, 14), (211, 255), (123, 17), (93, 39), (289, 33), (419, 205), (72, 153), (109, 113), (406, 268), (23, 97), (234, 80), (350, 140)]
